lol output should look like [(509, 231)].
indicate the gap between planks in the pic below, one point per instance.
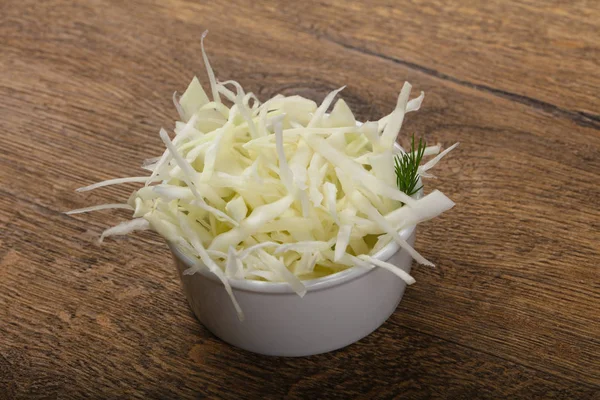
[(580, 118)]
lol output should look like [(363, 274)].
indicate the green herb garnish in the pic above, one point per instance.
[(407, 168)]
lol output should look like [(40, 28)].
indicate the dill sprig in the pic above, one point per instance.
[(407, 166)]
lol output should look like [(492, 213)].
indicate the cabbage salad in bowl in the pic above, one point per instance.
[(281, 190)]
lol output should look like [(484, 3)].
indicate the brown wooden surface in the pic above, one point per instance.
[(512, 309)]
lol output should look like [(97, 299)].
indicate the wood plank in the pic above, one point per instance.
[(545, 54), (116, 301), (510, 310)]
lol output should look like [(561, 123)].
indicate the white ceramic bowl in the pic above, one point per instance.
[(336, 311)]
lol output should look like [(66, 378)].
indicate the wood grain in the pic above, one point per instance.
[(520, 60), (511, 311)]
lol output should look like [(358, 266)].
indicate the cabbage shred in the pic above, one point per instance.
[(278, 191)]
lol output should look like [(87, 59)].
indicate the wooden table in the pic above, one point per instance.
[(512, 309)]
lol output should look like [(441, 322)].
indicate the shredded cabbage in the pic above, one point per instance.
[(99, 207), (278, 191)]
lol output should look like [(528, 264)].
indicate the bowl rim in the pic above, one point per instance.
[(316, 284)]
